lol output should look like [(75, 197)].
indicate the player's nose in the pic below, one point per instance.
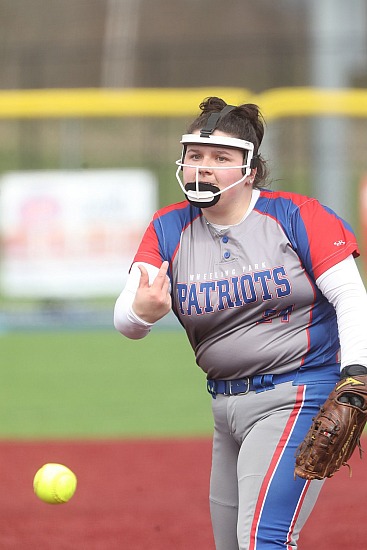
[(205, 169)]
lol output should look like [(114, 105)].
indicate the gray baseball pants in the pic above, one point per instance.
[(255, 501)]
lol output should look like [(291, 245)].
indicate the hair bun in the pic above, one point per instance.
[(212, 104)]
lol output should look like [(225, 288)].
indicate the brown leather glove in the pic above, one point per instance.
[(336, 429)]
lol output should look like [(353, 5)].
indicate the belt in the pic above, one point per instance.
[(242, 386)]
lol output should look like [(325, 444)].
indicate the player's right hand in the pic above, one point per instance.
[(153, 301)]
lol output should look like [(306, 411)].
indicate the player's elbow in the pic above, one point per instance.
[(129, 329)]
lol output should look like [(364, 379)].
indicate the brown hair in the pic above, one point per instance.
[(244, 122)]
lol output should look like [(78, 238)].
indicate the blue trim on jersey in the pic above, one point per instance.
[(282, 209), (286, 208), (323, 333), (317, 375), (169, 225), (323, 330)]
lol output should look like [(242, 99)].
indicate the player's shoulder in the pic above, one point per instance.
[(183, 211), (286, 196), (271, 201), (175, 207)]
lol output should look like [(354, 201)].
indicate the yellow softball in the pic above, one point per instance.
[(54, 483)]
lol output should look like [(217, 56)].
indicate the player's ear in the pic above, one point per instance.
[(252, 176)]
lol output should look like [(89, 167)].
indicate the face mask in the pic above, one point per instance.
[(204, 195)]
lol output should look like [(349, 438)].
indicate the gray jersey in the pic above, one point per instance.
[(246, 296)]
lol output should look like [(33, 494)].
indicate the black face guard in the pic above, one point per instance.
[(204, 189), (202, 194)]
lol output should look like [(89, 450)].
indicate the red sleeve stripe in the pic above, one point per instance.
[(148, 250)]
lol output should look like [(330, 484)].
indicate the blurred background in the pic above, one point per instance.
[(82, 173), (94, 98)]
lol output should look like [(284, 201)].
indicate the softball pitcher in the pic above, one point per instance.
[(266, 287)]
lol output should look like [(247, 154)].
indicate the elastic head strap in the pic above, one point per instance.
[(213, 120)]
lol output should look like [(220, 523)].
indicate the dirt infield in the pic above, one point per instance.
[(134, 495)]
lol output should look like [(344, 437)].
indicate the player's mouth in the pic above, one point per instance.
[(202, 194)]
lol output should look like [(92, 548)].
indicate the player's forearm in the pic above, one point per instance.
[(126, 320), (343, 287)]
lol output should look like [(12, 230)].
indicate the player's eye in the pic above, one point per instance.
[(194, 156)]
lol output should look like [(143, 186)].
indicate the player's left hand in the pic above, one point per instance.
[(153, 301), (336, 429)]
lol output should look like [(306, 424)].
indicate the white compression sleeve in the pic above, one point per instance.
[(125, 319), (343, 287)]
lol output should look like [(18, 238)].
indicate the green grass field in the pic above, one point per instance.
[(98, 384)]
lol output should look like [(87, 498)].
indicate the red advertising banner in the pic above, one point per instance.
[(68, 234)]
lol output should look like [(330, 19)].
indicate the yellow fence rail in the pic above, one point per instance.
[(173, 102)]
